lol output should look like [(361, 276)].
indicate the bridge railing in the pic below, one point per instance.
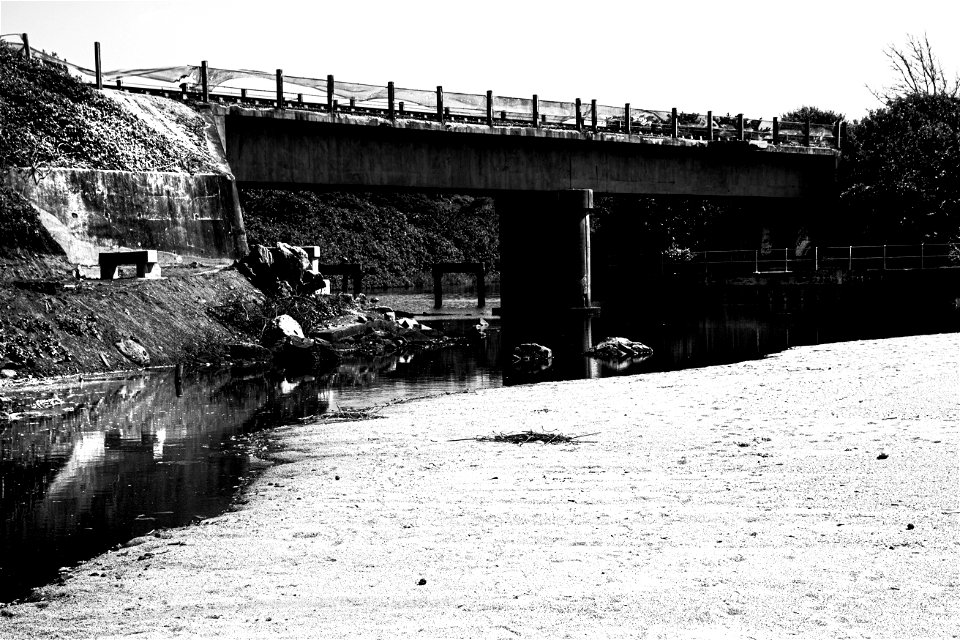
[(327, 94), (888, 257)]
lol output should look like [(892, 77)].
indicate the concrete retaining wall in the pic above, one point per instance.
[(180, 215)]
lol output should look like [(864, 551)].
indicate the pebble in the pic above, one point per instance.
[(910, 527), (883, 456), (422, 582)]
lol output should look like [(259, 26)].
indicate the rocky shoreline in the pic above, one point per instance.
[(809, 494)]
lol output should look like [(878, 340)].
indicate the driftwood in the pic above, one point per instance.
[(343, 415), (524, 437)]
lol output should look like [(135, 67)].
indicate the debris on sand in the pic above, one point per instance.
[(524, 437), (343, 415)]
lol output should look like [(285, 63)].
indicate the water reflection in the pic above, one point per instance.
[(92, 464)]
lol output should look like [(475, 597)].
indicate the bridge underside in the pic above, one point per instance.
[(330, 153)]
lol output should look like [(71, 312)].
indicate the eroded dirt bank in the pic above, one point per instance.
[(737, 501)]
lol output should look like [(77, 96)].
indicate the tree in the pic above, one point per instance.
[(813, 114), (918, 72), (902, 177)]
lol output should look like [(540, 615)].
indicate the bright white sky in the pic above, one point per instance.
[(760, 58)]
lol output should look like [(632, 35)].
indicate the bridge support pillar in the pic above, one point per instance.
[(546, 282)]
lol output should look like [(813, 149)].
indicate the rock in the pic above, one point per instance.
[(289, 262), (248, 351), (408, 323), (910, 527), (421, 582), (8, 373), (619, 349), (531, 351), (133, 352), (304, 355), (283, 326), (883, 456)]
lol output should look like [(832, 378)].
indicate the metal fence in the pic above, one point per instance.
[(326, 94), (887, 257)]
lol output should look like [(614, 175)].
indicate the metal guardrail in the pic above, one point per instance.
[(888, 257), (205, 84)]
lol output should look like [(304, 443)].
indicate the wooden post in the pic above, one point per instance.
[(98, 69), (710, 132), (119, 83), (740, 126), (674, 124), (489, 108), (437, 288), (204, 86), (837, 129), (330, 107), (536, 111), (26, 45), (280, 104), (806, 132), (579, 116), (391, 94), (243, 94), (400, 107), (593, 115), (299, 98), (481, 289), (626, 118), (776, 130), (440, 103)]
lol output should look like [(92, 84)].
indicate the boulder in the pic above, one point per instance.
[(248, 351), (304, 355), (289, 263), (283, 326), (620, 349), (133, 351), (531, 352)]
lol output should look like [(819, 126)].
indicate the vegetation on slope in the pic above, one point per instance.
[(20, 230), (396, 236), (48, 119)]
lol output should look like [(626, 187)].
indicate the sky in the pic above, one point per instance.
[(757, 58)]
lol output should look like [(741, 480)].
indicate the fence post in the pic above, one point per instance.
[(391, 109), (626, 118), (440, 104), (756, 261), (96, 64), (786, 259), (806, 132), (26, 45), (243, 94), (536, 111), (119, 83), (710, 133), (204, 86), (836, 134), (816, 259), (329, 94), (489, 108), (593, 115), (921, 256), (740, 126), (850, 262), (280, 89), (884, 257), (776, 130), (674, 124), (578, 120)]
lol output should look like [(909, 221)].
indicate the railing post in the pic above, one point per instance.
[(481, 287), (921, 256), (440, 104), (626, 118), (836, 134), (330, 94), (740, 126), (593, 115), (884, 258), (674, 124), (776, 130), (489, 108), (578, 119), (243, 94), (204, 87), (119, 83), (806, 132), (26, 45), (352, 103), (280, 89), (98, 69), (786, 259), (710, 132), (400, 107), (756, 261), (816, 259), (850, 261), (391, 109), (536, 111)]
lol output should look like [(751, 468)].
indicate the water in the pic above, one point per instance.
[(99, 462), (92, 464)]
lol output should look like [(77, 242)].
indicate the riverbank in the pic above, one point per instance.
[(809, 494)]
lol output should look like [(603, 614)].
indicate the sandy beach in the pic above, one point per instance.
[(811, 494)]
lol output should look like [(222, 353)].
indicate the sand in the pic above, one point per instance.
[(811, 494)]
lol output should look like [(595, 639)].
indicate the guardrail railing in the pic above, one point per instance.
[(887, 257), (209, 84)]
